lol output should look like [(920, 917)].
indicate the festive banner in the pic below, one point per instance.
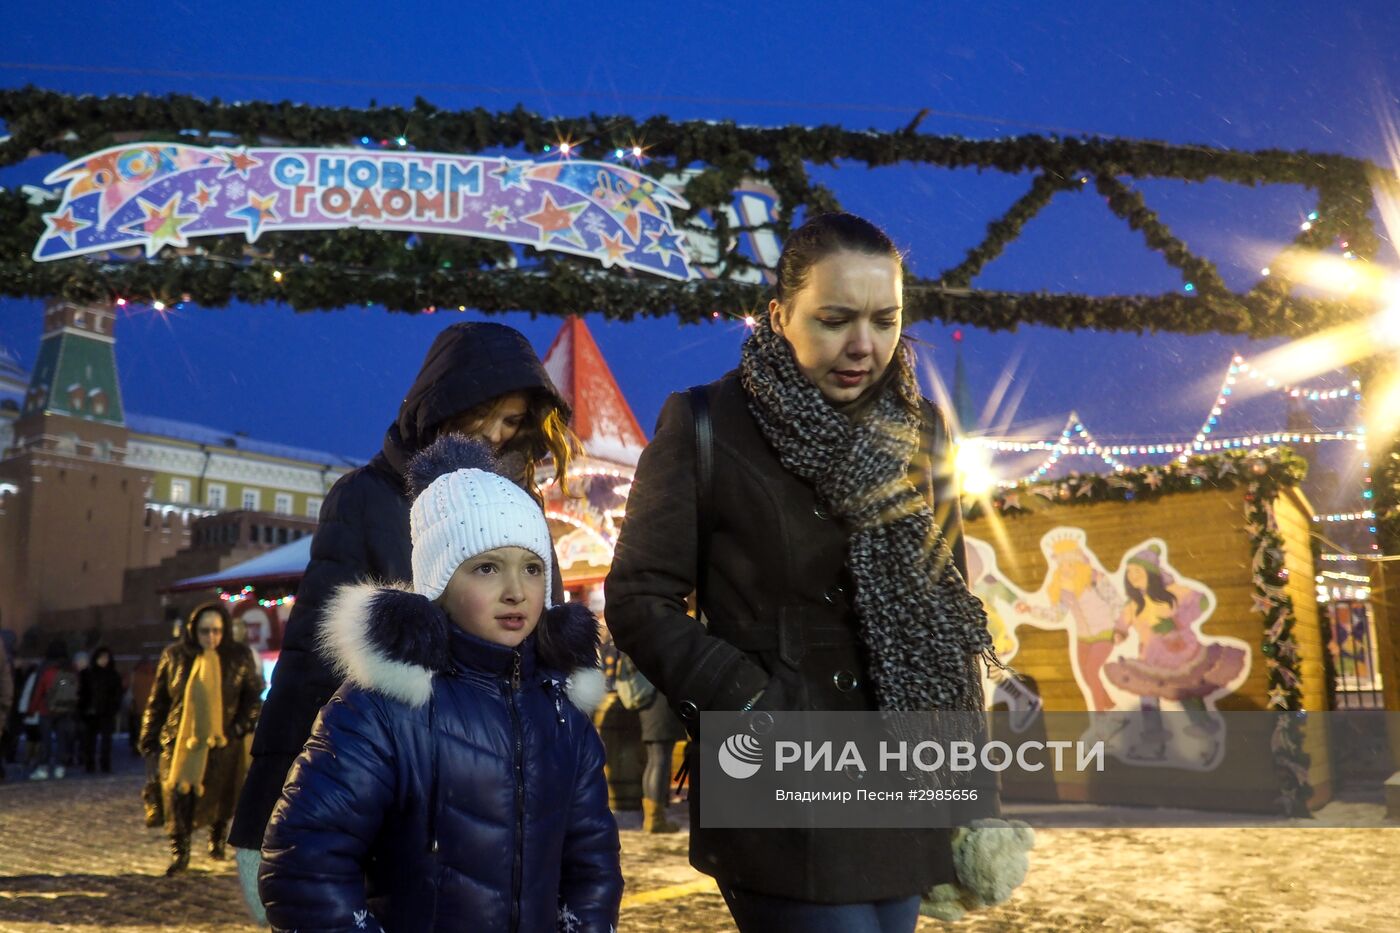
[(155, 195)]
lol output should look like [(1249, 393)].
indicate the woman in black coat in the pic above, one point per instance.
[(482, 379), (819, 596), (199, 754), (99, 701)]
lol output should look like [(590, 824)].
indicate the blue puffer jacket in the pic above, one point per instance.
[(450, 783)]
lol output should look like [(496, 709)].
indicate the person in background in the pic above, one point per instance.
[(99, 702), (483, 380), (81, 661), (206, 697), (55, 701)]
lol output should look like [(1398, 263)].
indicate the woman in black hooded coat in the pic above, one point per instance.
[(474, 379)]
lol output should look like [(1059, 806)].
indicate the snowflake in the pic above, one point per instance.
[(568, 920), (361, 919), (595, 224), (236, 189)]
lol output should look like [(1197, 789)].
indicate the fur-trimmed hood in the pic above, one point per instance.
[(389, 640)]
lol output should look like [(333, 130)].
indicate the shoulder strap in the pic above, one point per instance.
[(935, 440), (704, 487)]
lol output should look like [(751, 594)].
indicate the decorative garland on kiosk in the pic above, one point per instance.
[(415, 273), (1263, 474)]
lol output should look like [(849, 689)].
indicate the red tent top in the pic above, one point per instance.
[(602, 418)]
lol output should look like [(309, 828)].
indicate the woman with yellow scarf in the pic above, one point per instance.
[(206, 697)]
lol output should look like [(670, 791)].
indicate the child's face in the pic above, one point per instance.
[(497, 595)]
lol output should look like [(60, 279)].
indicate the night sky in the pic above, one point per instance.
[(1302, 75)]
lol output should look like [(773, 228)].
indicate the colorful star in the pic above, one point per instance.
[(204, 197), (498, 217), (256, 212), (555, 221), (512, 175), (1278, 698), (65, 226), (239, 162), (162, 225), (615, 248), (663, 243)]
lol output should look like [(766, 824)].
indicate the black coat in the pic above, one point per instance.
[(100, 696), (451, 784), (241, 686), (364, 534), (781, 619)]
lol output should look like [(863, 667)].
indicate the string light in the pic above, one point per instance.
[(1343, 575), (236, 597), (271, 603), (1335, 517)]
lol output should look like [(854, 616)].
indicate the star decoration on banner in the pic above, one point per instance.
[(65, 226), (1278, 698), (1262, 604), (205, 195), (615, 248), (663, 243), (555, 221), (499, 216), (256, 212), (162, 226), (1010, 501), (511, 175), (238, 162)]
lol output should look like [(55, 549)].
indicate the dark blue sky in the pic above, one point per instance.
[(1290, 75)]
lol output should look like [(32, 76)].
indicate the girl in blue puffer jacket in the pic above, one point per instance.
[(455, 781)]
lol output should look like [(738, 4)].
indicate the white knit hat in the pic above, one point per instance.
[(463, 508)]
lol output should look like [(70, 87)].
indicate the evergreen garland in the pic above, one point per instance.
[(345, 268)]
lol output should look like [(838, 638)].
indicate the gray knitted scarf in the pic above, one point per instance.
[(922, 628)]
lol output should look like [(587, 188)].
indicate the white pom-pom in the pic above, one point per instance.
[(991, 859), (586, 688)]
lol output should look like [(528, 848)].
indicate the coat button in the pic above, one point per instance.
[(833, 595), (845, 681), (688, 709), (821, 513)]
